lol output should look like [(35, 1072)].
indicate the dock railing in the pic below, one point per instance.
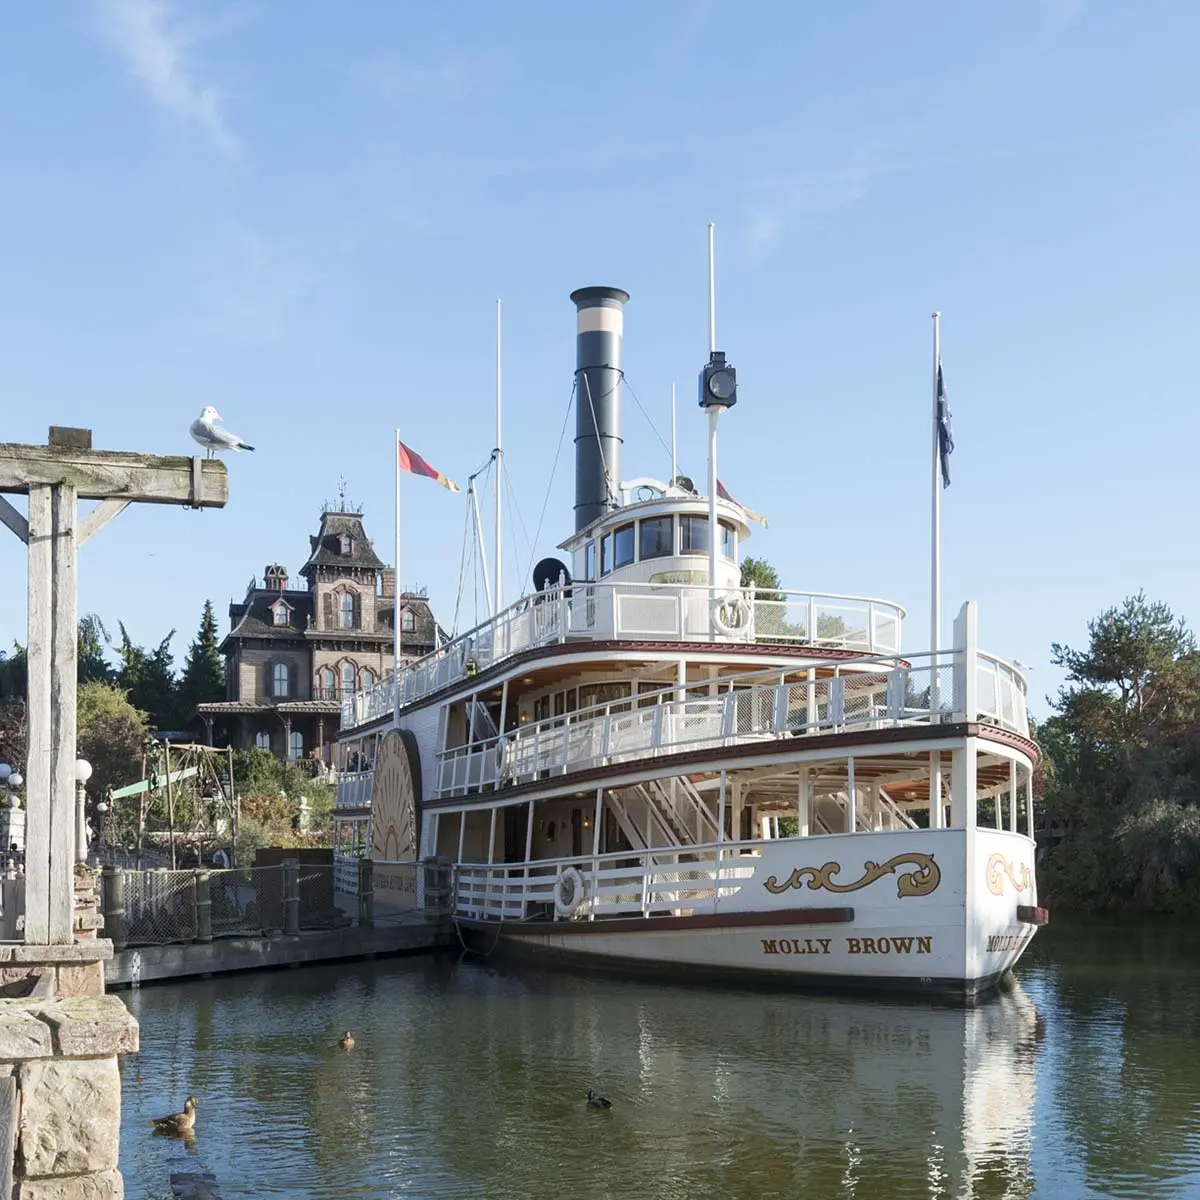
[(623, 611)]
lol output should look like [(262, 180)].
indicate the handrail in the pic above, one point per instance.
[(675, 611)]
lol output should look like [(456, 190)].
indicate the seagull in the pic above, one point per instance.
[(213, 439)]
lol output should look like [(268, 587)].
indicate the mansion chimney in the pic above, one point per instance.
[(275, 578), (387, 579), (599, 325)]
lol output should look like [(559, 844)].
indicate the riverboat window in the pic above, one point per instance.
[(623, 546), (589, 562), (280, 679), (541, 708), (606, 552), (656, 539), (693, 535), (645, 701), (727, 542), (591, 694)]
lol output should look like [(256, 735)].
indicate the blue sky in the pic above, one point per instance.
[(303, 214)]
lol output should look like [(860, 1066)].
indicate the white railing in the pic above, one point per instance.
[(627, 883), (671, 612), (862, 694), (1002, 692), (354, 789)]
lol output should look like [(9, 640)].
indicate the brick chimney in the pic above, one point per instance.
[(388, 580), (275, 578)]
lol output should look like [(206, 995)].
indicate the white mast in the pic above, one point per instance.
[(935, 600), (674, 473), (473, 496), (396, 589), (713, 412), (499, 478)]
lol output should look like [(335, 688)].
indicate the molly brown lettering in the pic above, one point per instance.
[(889, 945), (793, 946), (1004, 941)]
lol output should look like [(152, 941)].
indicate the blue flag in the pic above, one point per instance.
[(945, 434)]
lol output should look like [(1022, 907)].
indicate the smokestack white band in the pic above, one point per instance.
[(600, 319)]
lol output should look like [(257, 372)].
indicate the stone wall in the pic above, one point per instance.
[(60, 1089)]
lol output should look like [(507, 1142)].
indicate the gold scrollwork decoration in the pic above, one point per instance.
[(920, 881), (998, 866)]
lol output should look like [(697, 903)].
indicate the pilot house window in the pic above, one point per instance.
[(623, 546), (656, 537), (693, 535)]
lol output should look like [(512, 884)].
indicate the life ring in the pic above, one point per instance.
[(731, 613), (568, 892)]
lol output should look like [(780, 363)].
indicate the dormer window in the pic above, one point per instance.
[(345, 543), (408, 623), (279, 613)]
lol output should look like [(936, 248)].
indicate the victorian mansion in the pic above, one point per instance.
[(292, 653)]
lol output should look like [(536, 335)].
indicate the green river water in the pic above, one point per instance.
[(469, 1079)]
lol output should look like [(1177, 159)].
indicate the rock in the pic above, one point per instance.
[(70, 1118), (22, 1034), (103, 1185), (81, 979), (91, 1026)]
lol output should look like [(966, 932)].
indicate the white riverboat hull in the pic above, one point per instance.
[(932, 911)]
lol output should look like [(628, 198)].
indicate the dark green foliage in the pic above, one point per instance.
[(148, 678), (112, 736), (1121, 777), (203, 678)]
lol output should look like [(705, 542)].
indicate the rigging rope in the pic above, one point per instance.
[(554, 468), (649, 419)]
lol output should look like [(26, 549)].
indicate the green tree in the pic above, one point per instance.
[(92, 644), (203, 677), (14, 672), (758, 573), (111, 736), (148, 678), (1122, 757)]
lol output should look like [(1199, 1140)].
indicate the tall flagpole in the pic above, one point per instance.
[(398, 587), (714, 411), (673, 470), (499, 572), (935, 599)]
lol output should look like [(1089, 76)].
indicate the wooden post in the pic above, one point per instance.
[(114, 906), (170, 802), (55, 477), (233, 813)]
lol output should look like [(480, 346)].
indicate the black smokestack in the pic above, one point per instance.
[(600, 322)]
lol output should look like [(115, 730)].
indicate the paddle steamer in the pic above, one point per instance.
[(645, 764)]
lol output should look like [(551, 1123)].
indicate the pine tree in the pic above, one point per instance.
[(149, 679), (93, 638), (204, 669)]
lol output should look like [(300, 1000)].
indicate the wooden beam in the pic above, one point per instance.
[(37, 758), (14, 520), (100, 516), (64, 653), (116, 474)]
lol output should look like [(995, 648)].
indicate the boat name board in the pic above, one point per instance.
[(919, 944)]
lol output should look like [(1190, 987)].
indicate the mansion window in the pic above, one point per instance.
[(408, 623), (296, 745), (262, 739), (345, 544), (280, 614), (368, 677), (348, 674), (280, 681), (346, 610), (327, 683)]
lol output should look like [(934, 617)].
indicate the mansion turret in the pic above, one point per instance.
[(293, 652)]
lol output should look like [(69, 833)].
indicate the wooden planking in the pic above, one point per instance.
[(8, 1133), (100, 516), (14, 520), (37, 763), (64, 649), (105, 474)]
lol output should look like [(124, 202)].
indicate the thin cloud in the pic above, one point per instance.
[(396, 80), (155, 50)]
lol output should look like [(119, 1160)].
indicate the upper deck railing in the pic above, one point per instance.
[(639, 611)]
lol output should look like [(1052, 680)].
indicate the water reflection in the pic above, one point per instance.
[(469, 1081)]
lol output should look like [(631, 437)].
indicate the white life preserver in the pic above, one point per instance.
[(568, 892), (731, 613)]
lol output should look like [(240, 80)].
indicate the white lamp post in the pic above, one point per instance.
[(83, 772)]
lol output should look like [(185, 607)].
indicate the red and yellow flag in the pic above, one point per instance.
[(411, 461)]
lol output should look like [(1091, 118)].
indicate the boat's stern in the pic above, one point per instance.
[(1002, 910)]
